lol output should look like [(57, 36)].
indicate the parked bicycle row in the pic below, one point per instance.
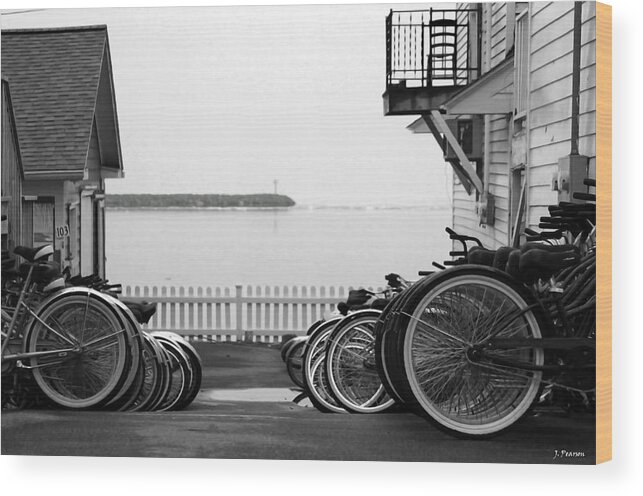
[(72, 343), (473, 345)]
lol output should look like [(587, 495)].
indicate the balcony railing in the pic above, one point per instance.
[(431, 48)]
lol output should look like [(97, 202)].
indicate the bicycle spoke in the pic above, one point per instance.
[(102, 338), (51, 329), (433, 328)]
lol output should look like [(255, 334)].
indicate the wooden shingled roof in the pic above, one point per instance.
[(54, 76)]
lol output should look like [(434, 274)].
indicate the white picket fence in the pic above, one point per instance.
[(250, 313)]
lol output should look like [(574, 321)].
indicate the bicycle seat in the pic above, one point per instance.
[(143, 311), (393, 280), (380, 303), (8, 265), (513, 263), (55, 284), (376, 304), (358, 297), (42, 273), (481, 256), (34, 254), (537, 263), (89, 281), (550, 248), (501, 257)]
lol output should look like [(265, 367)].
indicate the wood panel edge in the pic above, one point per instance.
[(604, 232)]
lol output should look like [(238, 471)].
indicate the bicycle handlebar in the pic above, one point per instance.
[(585, 196)]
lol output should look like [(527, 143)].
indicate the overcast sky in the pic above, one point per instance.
[(229, 99)]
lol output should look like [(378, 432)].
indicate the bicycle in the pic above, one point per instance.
[(73, 341), (83, 348), (338, 358), (473, 347), (350, 364)]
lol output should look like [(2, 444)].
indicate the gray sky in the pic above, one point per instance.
[(228, 99)]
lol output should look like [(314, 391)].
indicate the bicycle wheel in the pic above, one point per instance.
[(314, 370), (314, 326), (295, 361), (181, 375), (285, 347), (135, 348), (157, 376), (130, 399), (195, 363), (464, 391), (197, 375), (384, 328), (350, 364), (189, 363), (94, 355)]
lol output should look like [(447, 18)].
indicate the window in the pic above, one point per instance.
[(5, 223), (43, 223), (511, 28), (38, 220)]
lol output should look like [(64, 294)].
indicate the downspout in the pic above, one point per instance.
[(578, 11)]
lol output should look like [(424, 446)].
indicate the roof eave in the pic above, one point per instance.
[(487, 94), (49, 174), (107, 122), (12, 122)]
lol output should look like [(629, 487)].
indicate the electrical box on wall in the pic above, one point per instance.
[(572, 170), (469, 133), (487, 209)]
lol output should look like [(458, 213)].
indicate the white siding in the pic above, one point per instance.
[(551, 46), (498, 32), (11, 175), (485, 37), (549, 126), (498, 175), (465, 215), (493, 34), (462, 48)]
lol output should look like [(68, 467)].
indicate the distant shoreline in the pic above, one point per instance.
[(151, 201), (238, 209), (300, 208)]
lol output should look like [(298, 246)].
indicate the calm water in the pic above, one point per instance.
[(323, 247)]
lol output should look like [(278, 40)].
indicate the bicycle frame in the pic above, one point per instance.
[(554, 339), (62, 354)]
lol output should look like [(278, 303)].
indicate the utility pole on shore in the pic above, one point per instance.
[(275, 183)]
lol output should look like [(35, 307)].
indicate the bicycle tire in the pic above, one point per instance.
[(294, 363), (383, 328), (180, 376), (129, 400), (197, 371), (283, 352), (466, 397), (193, 385), (156, 379), (135, 343), (93, 373), (314, 369), (350, 364)]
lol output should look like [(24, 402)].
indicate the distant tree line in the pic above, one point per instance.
[(187, 201)]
